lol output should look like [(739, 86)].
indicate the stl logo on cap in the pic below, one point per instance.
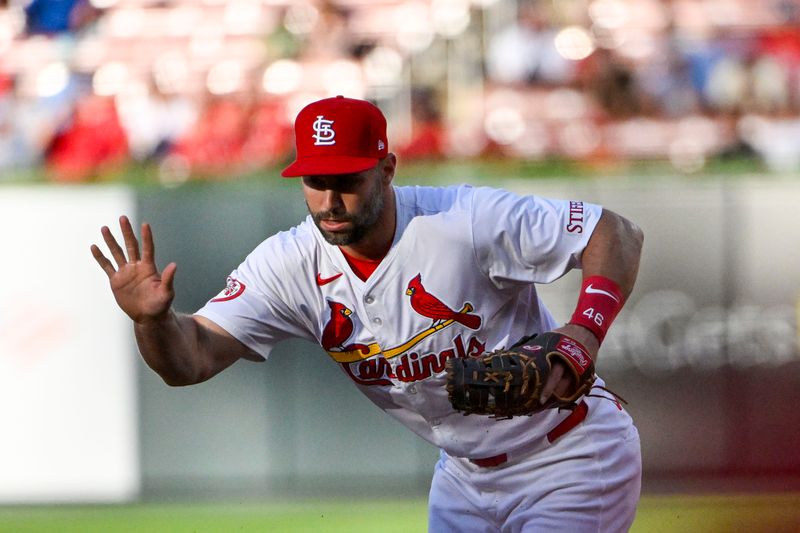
[(357, 144), (324, 134)]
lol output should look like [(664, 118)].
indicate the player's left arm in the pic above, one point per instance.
[(610, 264)]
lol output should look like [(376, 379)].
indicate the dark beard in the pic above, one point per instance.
[(361, 222)]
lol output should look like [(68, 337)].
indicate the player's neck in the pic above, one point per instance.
[(376, 243)]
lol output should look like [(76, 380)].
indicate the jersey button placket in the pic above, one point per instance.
[(369, 300)]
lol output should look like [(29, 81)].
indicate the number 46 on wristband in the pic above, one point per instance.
[(598, 305)]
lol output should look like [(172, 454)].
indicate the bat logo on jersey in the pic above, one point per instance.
[(233, 289), (428, 305), (324, 134)]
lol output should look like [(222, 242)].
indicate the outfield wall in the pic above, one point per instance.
[(706, 351), (68, 376)]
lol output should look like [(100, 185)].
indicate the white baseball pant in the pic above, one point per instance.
[(586, 481)]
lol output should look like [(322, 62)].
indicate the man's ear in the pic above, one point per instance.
[(388, 167)]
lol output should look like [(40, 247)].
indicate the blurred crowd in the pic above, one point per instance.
[(207, 89)]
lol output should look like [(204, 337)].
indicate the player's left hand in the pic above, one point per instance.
[(560, 381)]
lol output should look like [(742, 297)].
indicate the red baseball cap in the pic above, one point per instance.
[(338, 136)]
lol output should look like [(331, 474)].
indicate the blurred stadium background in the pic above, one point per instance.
[(683, 115)]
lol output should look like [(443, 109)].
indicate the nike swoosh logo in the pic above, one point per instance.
[(592, 290), (324, 281)]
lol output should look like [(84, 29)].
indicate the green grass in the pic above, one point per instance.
[(685, 514), (326, 516), (776, 513)]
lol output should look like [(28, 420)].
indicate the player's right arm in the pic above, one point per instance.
[(182, 349)]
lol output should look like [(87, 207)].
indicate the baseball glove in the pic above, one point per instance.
[(509, 382)]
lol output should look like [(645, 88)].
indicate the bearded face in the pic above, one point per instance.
[(351, 218)]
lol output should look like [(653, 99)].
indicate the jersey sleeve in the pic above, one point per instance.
[(253, 307), (529, 238)]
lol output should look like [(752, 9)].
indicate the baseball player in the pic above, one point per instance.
[(393, 282)]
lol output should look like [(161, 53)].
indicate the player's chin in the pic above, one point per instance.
[(338, 238)]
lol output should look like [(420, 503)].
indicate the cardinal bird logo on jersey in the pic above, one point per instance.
[(428, 305), (339, 327), (372, 364)]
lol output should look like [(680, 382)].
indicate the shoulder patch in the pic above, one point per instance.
[(233, 289)]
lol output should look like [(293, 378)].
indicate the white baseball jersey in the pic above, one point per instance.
[(458, 280)]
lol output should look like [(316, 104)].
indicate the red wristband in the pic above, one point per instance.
[(598, 305)]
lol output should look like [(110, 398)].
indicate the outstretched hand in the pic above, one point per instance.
[(140, 290)]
